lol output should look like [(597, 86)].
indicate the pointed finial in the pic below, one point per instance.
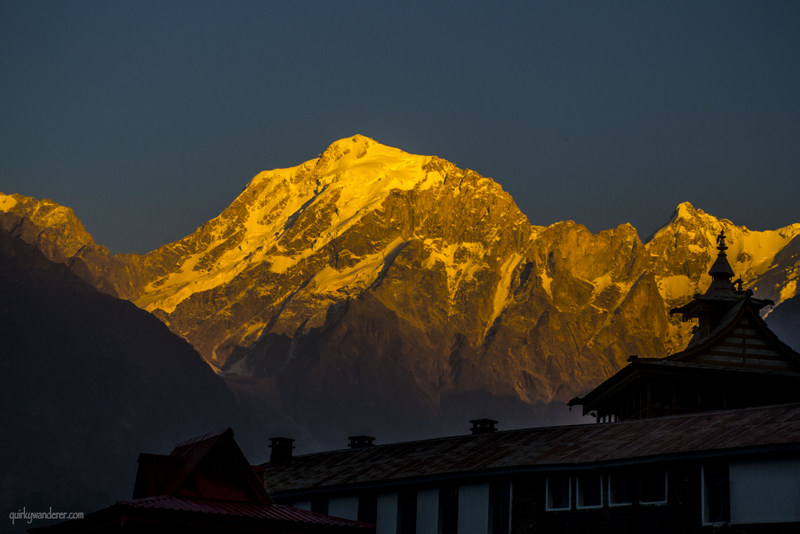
[(721, 246), (721, 270)]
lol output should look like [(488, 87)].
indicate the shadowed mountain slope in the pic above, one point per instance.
[(87, 382)]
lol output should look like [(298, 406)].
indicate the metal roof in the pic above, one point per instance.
[(541, 448), (194, 451), (274, 512)]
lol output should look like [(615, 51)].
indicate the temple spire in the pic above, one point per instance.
[(722, 295), (721, 272), (721, 246)]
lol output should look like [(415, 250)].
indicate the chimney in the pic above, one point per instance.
[(361, 442), (281, 450), (483, 426)]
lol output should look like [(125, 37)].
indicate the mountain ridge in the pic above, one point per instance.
[(439, 260)]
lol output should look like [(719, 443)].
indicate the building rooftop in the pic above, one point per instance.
[(274, 512), (740, 431), (205, 483)]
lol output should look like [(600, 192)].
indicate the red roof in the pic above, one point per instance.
[(206, 482), (171, 475), (276, 512)]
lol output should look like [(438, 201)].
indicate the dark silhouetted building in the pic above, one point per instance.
[(205, 485), (686, 473)]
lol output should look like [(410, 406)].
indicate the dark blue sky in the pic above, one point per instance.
[(149, 117)]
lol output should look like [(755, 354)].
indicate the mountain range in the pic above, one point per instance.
[(372, 291)]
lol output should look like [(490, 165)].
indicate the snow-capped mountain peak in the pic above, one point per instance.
[(367, 262), (349, 180)]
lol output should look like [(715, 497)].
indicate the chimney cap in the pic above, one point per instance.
[(281, 449), (281, 442), (361, 441), (483, 426)]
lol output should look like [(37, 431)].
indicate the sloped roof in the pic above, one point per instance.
[(745, 307), (541, 449), (675, 368), (154, 473), (164, 475), (166, 496), (204, 515), (276, 512), (709, 353)]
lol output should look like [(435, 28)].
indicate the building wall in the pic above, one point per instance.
[(473, 509), (422, 511), (344, 506), (386, 522), (303, 504), (680, 513), (447, 509), (765, 491), (428, 511), (763, 498)]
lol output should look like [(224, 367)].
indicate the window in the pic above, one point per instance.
[(590, 490), (716, 493), (559, 493), (620, 489), (653, 485)]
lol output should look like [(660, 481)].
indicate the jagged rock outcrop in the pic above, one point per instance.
[(395, 286)]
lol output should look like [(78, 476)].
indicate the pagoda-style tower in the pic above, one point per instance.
[(732, 361), (711, 307)]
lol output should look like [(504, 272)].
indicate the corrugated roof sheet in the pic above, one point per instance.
[(275, 512), (195, 449), (541, 448)]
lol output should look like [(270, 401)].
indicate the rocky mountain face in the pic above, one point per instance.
[(371, 290)]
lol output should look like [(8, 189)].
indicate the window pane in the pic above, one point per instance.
[(590, 490), (558, 493), (619, 488), (653, 485)]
